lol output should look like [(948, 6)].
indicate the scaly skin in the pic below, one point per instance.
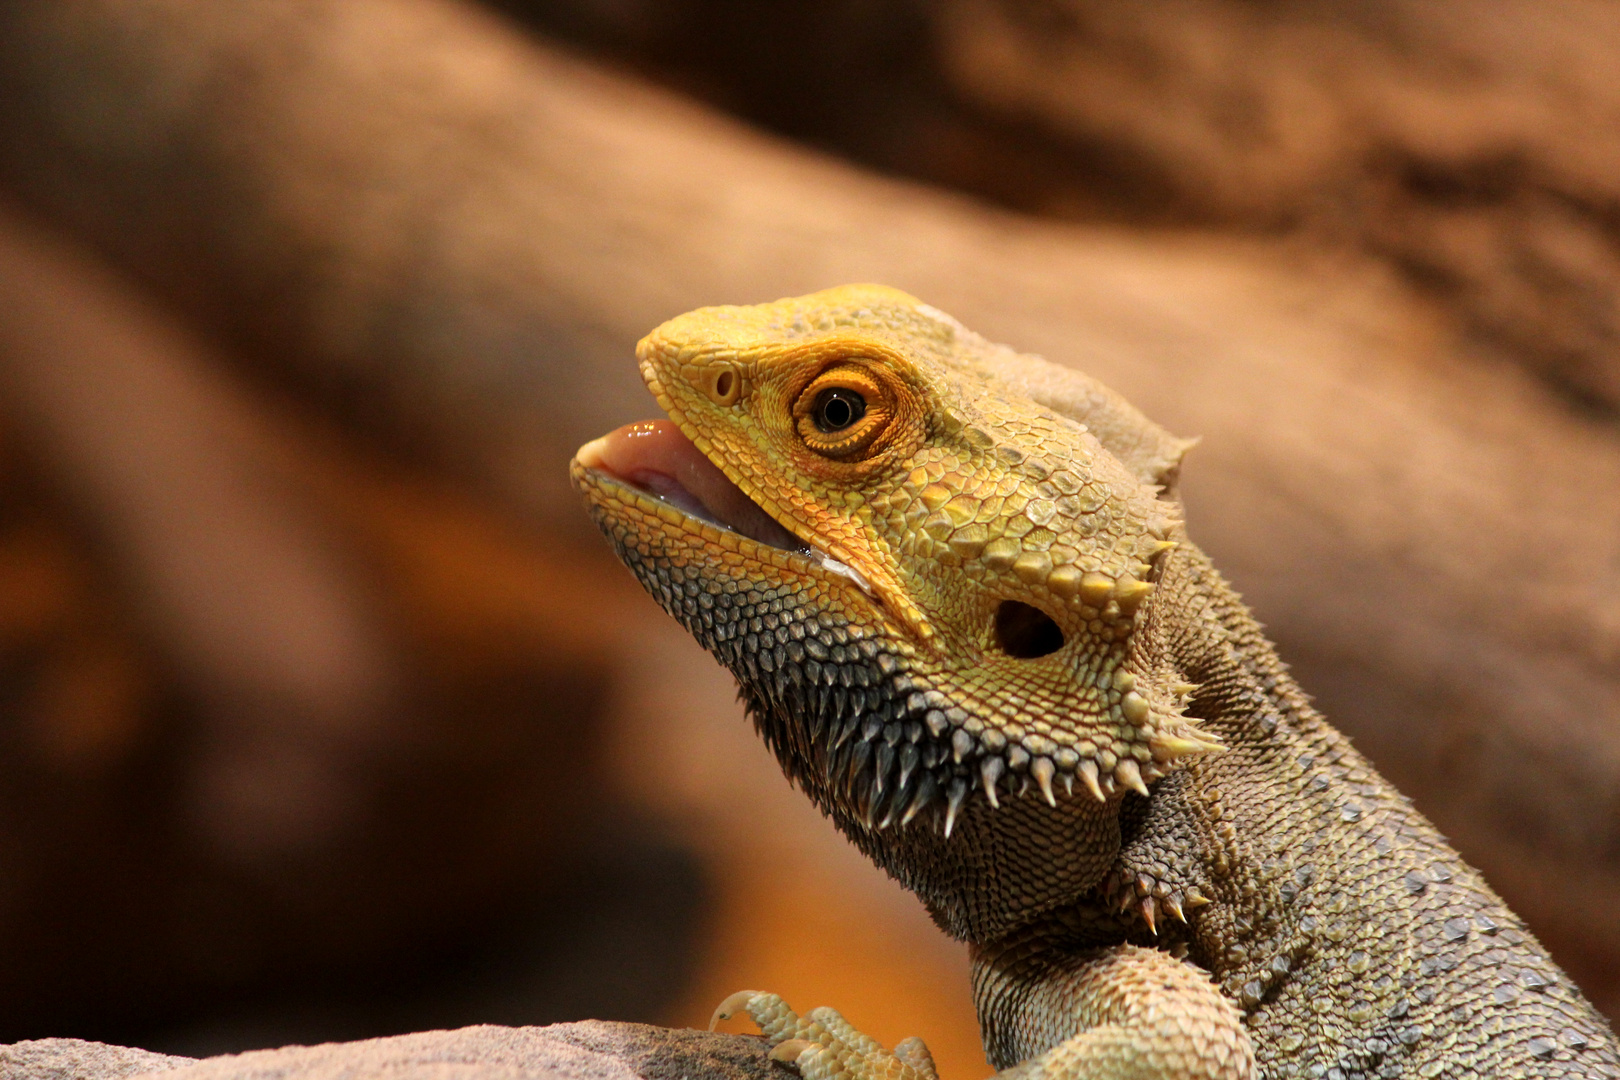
[(1165, 862)]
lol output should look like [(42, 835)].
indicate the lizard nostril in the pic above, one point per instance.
[(1026, 632), (722, 384)]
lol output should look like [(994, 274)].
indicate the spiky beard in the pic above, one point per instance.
[(871, 741)]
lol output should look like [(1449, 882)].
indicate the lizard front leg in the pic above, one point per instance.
[(1112, 1013), (1119, 1013)]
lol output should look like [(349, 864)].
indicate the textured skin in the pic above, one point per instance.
[(1166, 863)]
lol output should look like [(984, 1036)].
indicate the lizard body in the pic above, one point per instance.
[(953, 584)]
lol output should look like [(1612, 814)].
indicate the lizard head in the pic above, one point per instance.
[(928, 561)]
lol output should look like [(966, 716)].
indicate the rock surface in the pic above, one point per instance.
[(589, 1050), (76, 1059)]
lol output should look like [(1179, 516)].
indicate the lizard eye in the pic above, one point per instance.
[(843, 412), (837, 408)]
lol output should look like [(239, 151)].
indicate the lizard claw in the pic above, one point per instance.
[(730, 1007)]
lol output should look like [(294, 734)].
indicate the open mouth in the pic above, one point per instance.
[(655, 457)]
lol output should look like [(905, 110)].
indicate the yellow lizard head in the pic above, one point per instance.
[(927, 559)]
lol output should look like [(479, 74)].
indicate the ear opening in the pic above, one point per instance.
[(1026, 632)]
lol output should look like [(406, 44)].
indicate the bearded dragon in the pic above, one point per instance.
[(955, 587)]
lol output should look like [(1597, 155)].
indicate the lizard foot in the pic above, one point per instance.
[(825, 1046)]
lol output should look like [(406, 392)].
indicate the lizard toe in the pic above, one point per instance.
[(791, 1050), (822, 1045), (768, 1011)]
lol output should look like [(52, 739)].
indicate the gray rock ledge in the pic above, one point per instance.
[(588, 1050)]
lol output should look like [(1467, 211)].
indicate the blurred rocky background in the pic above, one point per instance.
[(323, 714)]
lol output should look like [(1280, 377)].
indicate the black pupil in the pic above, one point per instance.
[(837, 409)]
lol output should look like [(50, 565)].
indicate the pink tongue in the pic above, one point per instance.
[(653, 455)]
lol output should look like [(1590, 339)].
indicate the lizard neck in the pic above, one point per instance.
[(1194, 835), (1261, 829)]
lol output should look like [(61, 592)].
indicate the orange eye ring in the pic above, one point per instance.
[(843, 412)]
